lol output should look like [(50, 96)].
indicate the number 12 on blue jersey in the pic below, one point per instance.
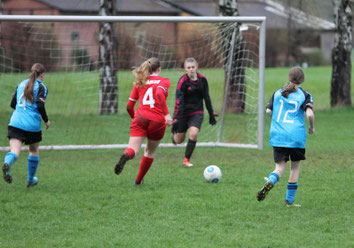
[(285, 118)]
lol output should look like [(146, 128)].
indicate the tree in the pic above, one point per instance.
[(107, 61), (341, 61), (233, 45)]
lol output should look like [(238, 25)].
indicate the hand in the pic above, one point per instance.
[(311, 130), (169, 120), (47, 124), (212, 120)]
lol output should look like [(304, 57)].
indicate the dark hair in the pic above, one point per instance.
[(143, 72), (36, 70), (296, 77)]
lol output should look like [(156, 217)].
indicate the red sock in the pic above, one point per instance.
[(130, 152), (144, 167)]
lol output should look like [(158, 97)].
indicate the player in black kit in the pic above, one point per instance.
[(192, 88)]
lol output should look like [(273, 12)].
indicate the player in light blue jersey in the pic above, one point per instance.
[(25, 124), (287, 108)]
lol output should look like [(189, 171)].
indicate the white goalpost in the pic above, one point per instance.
[(230, 52)]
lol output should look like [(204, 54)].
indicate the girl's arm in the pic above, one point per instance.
[(14, 100), (41, 97), (179, 103), (132, 100), (311, 119)]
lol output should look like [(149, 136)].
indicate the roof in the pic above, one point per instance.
[(122, 6), (277, 15), (197, 8)]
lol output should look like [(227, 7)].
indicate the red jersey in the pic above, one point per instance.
[(151, 107)]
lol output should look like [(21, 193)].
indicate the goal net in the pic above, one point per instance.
[(88, 90)]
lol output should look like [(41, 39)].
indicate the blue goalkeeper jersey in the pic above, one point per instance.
[(288, 126), (26, 115)]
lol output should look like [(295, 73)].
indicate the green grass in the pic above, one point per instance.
[(80, 202)]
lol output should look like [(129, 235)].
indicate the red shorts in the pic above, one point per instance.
[(146, 128)]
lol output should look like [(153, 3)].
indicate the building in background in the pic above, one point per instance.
[(293, 37)]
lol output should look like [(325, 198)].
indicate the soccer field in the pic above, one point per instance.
[(80, 202)]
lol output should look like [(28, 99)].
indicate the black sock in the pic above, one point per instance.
[(190, 148)]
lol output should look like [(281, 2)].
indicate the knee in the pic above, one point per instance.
[(280, 169), (136, 153), (178, 139), (34, 151), (193, 136), (280, 172), (149, 154), (16, 152)]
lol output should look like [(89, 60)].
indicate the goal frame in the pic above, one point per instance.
[(261, 20)]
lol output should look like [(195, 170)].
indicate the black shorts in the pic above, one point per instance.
[(184, 123), (283, 154), (27, 137)]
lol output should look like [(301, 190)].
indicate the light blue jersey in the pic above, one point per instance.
[(288, 125), (26, 115)]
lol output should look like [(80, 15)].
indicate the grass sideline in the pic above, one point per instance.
[(80, 202)]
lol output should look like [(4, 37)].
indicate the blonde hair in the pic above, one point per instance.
[(143, 72), (36, 70), (296, 77)]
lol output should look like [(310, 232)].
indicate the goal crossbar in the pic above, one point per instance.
[(59, 18)]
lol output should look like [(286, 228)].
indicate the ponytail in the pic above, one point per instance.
[(291, 87), (143, 72), (36, 70), (296, 77)]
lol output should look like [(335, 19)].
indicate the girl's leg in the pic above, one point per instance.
[(294, 171), (134, 146), (273, 178), (192, 142), (277, 173), (10, 158), (15, 150), (129, 153), (193, 133), (33, 149), (15, 146), (32, 164), (292, 183), (178, 138), (147, 159), (151, 146)]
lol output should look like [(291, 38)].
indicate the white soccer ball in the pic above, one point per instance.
[(212, 174)]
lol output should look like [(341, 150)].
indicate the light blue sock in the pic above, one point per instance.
[(32, 165), (291, 192), (273, 177), (10, 158)]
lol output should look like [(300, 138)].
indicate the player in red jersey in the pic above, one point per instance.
[(150, 118), (191, 90)]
